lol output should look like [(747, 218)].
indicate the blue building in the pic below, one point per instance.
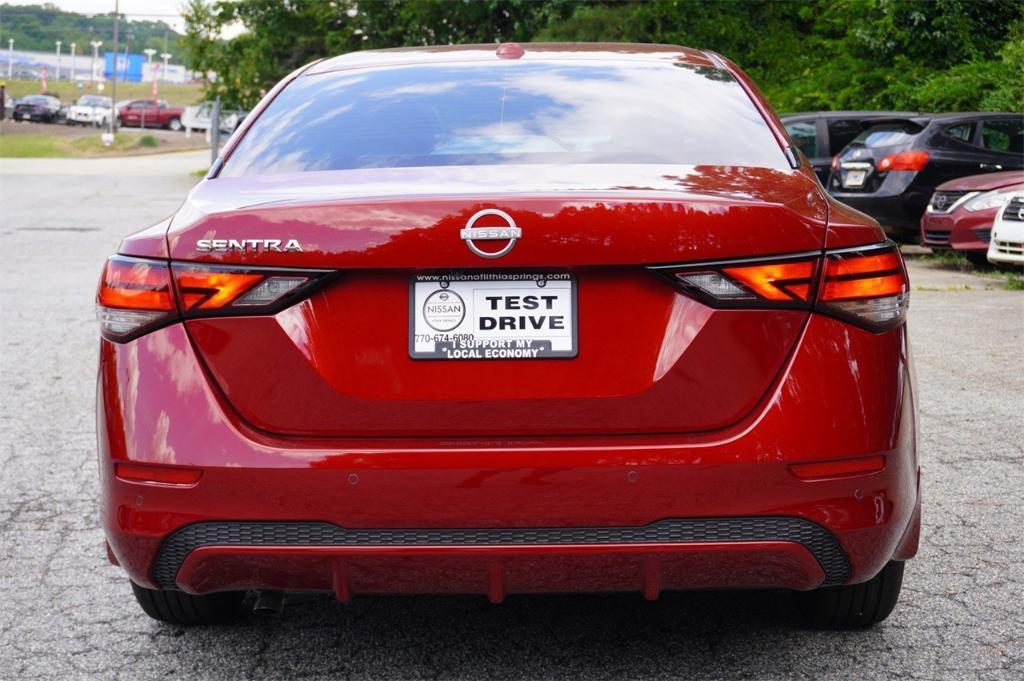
[(129, 68)]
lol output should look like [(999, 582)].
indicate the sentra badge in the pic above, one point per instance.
[(248, 245)]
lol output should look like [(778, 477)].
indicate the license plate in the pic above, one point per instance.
[(854, 178), (492, 316)]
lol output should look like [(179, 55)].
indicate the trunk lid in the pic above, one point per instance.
[(649, 359)]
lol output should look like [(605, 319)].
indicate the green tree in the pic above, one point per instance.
[(815, 54)]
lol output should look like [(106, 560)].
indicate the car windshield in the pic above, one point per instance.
[(93, 100), (456, 114), (888, 135), (36, 99)]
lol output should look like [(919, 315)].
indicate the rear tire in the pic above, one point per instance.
[(174, 124), (178, 607), (855, 606)]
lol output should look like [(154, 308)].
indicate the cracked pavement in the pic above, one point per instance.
[(69, 614)]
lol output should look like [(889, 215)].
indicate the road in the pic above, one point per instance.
[(68, 614)]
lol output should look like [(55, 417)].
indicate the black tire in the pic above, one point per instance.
[(856, 606), (178, 607)]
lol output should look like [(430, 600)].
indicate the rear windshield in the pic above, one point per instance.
[(888, 135), (457, 114)]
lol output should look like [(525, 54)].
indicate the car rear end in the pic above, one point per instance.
[(881, 173), (33, 109), (453, 322)]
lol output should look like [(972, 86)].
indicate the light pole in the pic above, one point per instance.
[(95, 52), (149, 52), (10, 57), (58, 61), (71, 77), (166, 57)]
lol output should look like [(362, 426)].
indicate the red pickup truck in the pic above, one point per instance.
[(150, 113)]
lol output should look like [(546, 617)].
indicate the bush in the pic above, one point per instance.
[(148, 141)]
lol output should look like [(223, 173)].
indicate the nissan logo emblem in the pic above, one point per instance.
[(508, 232)]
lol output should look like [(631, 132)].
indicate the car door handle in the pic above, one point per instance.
[(990, 166)]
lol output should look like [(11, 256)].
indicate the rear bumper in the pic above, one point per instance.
[(898, 204), (709, 510)]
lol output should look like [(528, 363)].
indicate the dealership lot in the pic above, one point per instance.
[(67, 613)]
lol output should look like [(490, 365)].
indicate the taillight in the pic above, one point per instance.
[(835, 162), (216, 290), (866, 286), (134, 296), (904, 160), (783, 283), (138, 295)]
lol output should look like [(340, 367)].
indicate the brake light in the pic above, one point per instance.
[(783, 283), (134, 295), (865, 286), (137, 295), (206, 290), (904, 160), (835, 162)]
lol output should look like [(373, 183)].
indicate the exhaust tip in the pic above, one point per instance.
[(268, 603)]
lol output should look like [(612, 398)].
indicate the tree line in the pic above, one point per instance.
[(38, 27)]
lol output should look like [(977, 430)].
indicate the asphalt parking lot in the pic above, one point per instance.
[(67, 613)]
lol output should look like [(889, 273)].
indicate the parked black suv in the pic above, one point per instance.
[(820, 135), (890, 170)]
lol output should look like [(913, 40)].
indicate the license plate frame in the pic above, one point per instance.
[(445, 332), (854, 179)]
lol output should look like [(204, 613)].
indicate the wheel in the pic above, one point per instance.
[(856, 606), (174, 124), (178, 607)]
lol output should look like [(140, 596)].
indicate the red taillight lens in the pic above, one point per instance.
[(868, 287), (904, 160), (159, 475), (206, 290), (134, 296), (137, 295), (824, 470), (783, 283)]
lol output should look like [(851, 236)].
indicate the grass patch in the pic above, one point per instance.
[(93, 145), (200, 173), (1014, 282), (947, 259), (32, 146), (53, 146)]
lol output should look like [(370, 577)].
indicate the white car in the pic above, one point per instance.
[(90, 110), (198, 118), (1007, 244)]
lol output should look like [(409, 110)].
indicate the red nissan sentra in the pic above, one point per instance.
[(546, 318)]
